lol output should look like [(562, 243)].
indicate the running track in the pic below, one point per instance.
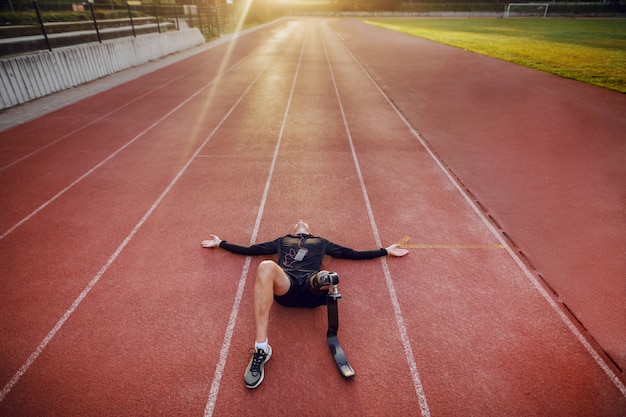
[(111, 307)]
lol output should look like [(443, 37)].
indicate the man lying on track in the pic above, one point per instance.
[(295, 281)]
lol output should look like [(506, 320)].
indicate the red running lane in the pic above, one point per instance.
[(50, 259), (147, 338), (543, 155)]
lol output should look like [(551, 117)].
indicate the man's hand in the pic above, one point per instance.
[(211, 243), (396, 250)]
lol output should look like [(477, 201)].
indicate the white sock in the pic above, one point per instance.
[(262, 345)]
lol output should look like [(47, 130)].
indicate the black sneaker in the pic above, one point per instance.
[(254, 372)]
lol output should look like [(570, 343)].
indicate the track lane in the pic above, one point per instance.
[(389, 279), (139, 160), (330, 198), (55, 126), (78, 220), (103, 126), (479, 294), (545, 161)]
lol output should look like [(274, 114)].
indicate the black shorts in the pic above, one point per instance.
[(300, 293)]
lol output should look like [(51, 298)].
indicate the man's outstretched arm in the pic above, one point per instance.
[(338, 251), (266, 248)]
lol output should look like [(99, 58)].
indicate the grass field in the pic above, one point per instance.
[(588, 50)]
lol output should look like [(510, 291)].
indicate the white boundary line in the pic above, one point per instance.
[(228, 335), (531, 277), (404, 335), (7, 388)]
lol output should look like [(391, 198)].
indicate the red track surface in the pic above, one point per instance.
[(110, 306)]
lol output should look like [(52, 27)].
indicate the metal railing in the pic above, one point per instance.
[(50, 24)]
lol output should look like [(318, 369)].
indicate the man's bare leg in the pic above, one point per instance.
[(270, 280)]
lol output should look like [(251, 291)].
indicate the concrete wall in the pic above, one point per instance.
[(24, 78)]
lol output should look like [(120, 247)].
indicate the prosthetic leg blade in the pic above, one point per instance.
[(345, 369)]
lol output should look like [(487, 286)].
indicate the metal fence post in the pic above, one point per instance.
[(176, 17), (130, 14), (43, 28), (95, 22), (200, 20), (156, 15)]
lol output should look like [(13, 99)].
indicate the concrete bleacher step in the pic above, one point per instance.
[(20, 39), (32, 43), (16, 31)]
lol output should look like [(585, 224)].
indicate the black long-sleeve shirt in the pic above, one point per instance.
[(302, 251)]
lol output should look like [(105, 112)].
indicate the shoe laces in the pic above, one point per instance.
[(257, 360)]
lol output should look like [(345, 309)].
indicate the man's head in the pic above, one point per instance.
[(301, 227)]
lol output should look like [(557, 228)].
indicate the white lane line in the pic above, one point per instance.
[(115, 153), (404, 334), (115, 254), (531, 277), (230, 329)]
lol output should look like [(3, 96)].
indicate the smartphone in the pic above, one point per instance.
[(301, 254)]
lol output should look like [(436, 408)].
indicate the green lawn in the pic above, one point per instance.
[(588, 50)]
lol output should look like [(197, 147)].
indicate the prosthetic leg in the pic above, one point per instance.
[(331, 336)]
